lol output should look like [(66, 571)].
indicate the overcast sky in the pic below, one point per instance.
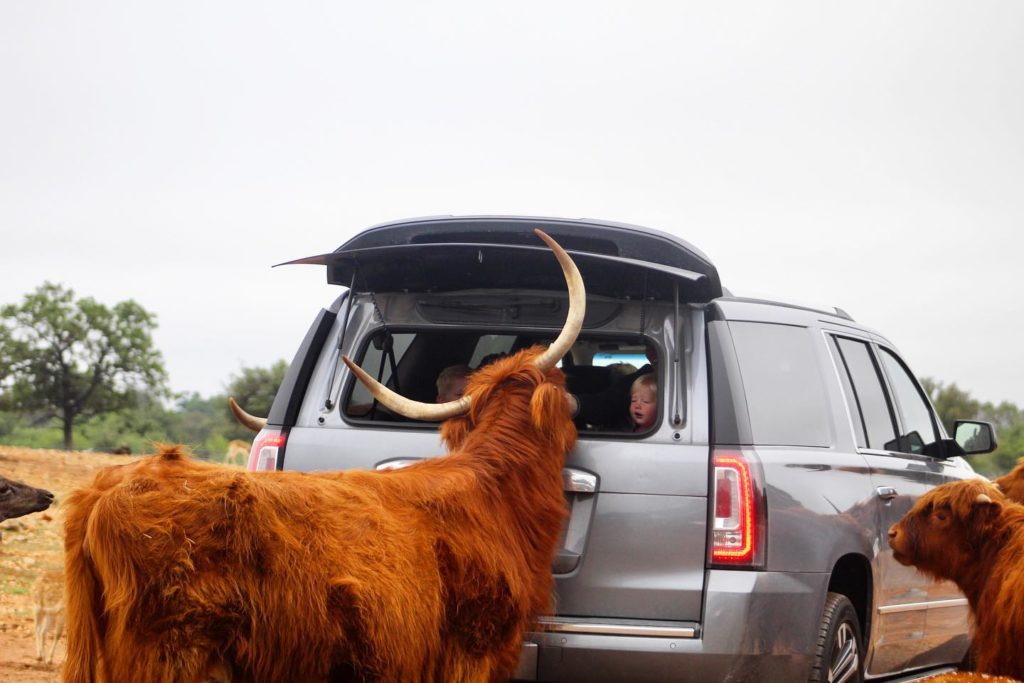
[(863, 154)]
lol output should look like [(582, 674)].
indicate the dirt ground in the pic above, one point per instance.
[(33, 544)]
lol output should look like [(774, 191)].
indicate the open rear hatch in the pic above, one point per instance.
[(473, 253)]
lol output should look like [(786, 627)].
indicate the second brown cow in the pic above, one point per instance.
[(969, 533)]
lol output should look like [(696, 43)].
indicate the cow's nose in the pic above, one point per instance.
[(892, 532)]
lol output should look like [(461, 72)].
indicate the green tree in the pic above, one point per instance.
[(72, 359), (951, 402), (201, 423), (254, 389)]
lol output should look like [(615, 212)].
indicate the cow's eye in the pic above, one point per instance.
[(941, 515), (5, 490)]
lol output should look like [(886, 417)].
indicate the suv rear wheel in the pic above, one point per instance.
[(838, 656)]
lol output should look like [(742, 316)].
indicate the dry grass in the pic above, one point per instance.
[(33, 544)]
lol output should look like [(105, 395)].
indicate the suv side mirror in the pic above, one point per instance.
[(974, 436)]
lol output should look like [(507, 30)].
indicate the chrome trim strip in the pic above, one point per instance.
[(618, 629), (913, 606), (396, 463)]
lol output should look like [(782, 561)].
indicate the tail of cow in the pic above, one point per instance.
[(83, 592)]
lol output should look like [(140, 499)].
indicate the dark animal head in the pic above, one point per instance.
[(944, 533), (17, 499)]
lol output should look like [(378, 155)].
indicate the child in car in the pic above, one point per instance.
[(643, 402)]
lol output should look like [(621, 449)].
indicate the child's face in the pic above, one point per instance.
[(643, 408), (456, 386)]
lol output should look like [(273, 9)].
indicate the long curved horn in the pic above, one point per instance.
[(417, 410), (245, 419), (577, 307)]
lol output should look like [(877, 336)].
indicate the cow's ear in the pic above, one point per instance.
[(984, 508)]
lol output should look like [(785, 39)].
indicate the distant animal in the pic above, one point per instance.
[(123, 449), (1012, 483), (48, 611), (180, 570), (17, 499), (970, 533), (237, 453)]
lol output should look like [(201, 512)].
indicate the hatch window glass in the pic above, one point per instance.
[(871, 403), (600, 372), (781, 378), (918, 429)]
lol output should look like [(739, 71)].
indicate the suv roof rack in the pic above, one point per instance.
[(833, 310)]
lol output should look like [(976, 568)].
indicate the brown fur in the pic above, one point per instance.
[(1012, 483), (180, 570), (950, 534)]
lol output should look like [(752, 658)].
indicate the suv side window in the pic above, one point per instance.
[(870, 405), (918, 428), (782, 381), (843, 370)]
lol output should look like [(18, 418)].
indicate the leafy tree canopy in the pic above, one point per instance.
[(71, 359), (953, 403)]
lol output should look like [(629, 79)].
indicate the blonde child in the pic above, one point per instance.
[(643, 402)]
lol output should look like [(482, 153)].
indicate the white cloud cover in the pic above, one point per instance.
[(868, 155)]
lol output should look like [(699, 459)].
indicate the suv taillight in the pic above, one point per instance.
[(266, 450), (737, 531)]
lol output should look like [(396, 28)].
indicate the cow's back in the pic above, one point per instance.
[(185, 551)]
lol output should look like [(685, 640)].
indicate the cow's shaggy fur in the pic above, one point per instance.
[(179, 570), (968, 532)]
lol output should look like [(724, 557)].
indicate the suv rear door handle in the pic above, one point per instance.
[(576, 481), (886, 492)]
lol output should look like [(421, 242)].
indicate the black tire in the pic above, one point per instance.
[(839, 651)]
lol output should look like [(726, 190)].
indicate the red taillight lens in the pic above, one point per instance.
[(266, 450), (723, 496), (734, 532)]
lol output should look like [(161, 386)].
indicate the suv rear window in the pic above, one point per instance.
[(782, 381), (599, 370)]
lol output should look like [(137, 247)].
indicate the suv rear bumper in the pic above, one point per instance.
[(757, 626)]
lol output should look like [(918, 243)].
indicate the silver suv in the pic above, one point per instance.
[(743, 536)]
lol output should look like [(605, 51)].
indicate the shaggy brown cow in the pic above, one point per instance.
[(178, 570), (17, 499), (968, 532), (1012, 483)]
